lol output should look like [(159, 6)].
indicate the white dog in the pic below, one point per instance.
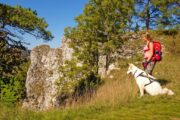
[(147, 83)]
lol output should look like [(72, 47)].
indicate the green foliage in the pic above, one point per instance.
[(160, 107), (158, 13), (13, 88), (7, 93), (76, 81), (14, 23), (10, 59), (99, 30), (171, 32), (146, 108), (24, 21)]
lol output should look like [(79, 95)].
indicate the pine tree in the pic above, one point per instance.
[(158, 13), (14, 23)]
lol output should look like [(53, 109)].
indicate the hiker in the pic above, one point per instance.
[(148, 62)]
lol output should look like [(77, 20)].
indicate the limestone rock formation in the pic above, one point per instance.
[(42, 74), (66, 51), (42, 91)]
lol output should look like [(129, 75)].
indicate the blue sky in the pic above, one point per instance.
[(58, 14)]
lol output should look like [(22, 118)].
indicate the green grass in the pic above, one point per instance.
[(146, 108), (118, 98), (161, 107)]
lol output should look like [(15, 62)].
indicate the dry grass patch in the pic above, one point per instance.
[(116, 91)]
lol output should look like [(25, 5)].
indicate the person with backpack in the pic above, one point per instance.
[(152, 53)]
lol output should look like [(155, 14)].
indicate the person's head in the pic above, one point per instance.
[(147, 37)]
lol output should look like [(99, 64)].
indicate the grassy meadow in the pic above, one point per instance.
[(118, 97)]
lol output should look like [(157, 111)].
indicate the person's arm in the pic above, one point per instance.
[(151, 50)]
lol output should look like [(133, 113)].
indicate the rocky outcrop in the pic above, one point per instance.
[(41, 76), (125, 51), (42, 91), (66, 51)]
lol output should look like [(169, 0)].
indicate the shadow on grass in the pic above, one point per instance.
[(163, 81)]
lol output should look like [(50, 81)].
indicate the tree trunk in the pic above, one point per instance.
[(147, 21), (147, 16)]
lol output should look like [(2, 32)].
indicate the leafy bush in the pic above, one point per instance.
[(13, 88), (76, 81)]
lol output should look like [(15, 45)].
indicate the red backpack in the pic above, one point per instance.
[(157, 51)]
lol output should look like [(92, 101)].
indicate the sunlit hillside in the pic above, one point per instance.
[(118, 97)]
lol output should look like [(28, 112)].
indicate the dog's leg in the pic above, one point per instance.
[(164, 91), (170, 92), (167, 91), (141, 88)]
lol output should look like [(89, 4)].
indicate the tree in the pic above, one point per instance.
[(158, 13), (21, 20), (14, 23), (10, 59), (98, 33), (99, 30), (13, 88)]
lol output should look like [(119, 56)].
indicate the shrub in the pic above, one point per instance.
[(13, 88), (76, 82)]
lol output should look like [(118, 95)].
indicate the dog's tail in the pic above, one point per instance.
[(167, 91)]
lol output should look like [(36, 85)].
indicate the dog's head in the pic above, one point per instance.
[(131, 68)]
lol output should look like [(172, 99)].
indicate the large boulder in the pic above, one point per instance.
[(41, 88)]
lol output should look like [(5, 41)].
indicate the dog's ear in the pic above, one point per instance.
[(130, 64)]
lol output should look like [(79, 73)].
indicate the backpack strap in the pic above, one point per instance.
[(149, 44)]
